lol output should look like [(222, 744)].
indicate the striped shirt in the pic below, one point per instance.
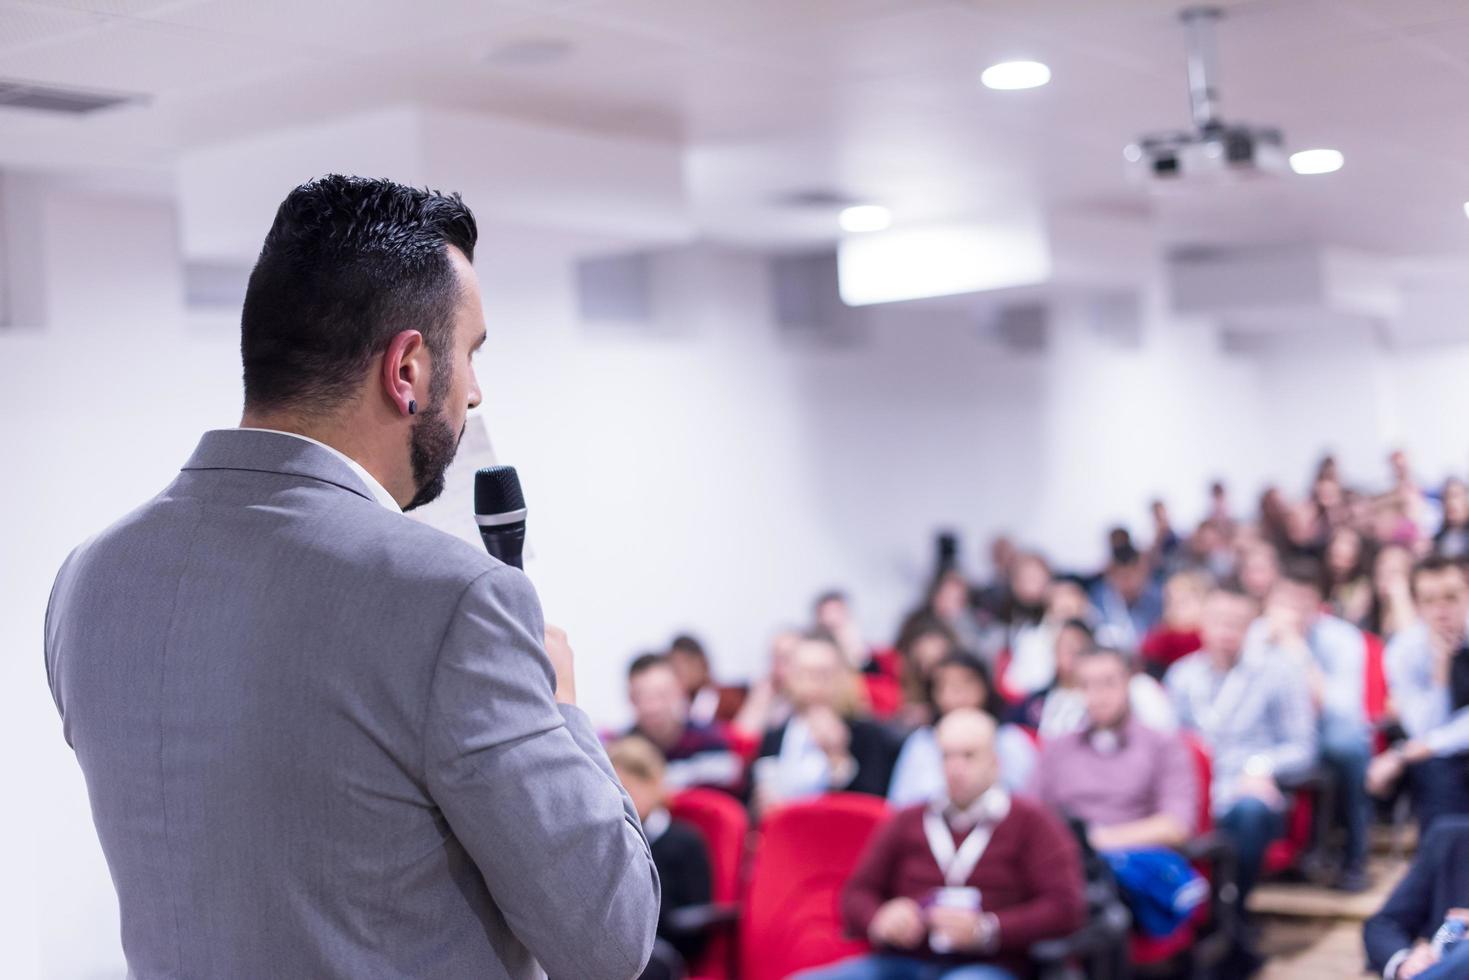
[(1258, 709)]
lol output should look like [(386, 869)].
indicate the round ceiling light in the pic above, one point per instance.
[(1009, 76), (1316, 161)]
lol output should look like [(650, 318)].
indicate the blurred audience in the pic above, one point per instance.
[(1264, 631), (1128, 601), (1032, 664), (1413, 935), (1348, 582), (1254, 715), (824, 746), (1331, 653), (833, 613), (697, 755), (1133, 788), (1177, 633), (1452, 539), (768, 705), (679, 853), (1427, 668), (960, 681), (963, 884), (707, 702), (1060, 708)]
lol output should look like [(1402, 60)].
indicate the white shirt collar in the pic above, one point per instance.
[(378, 491), (990, 809), (657, 824)]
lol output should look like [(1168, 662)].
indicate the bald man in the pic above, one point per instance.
[(960, 887)]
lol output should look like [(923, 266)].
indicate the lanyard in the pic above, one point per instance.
[(956, 864)]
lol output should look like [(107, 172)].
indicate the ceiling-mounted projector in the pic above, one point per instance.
[(1213, 150)]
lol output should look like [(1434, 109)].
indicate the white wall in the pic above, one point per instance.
[(705, 475)]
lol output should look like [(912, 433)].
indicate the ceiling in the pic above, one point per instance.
[(871, 99)]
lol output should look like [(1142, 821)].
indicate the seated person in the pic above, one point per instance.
[(767, 704), (708, 702), (823, 747), (923, 641), (1133, 787), (679, 853), (1127, 599), (1400, 938), (1255, 717), (833, 614), (960, 680), (697, 754), (963, 885), (1177, 635), (1059, 708), (1332, 653), (1428, 676), (1033, 647)]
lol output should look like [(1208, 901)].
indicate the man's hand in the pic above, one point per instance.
[(1419, 960), (1260, 787), (1383, 773), (963, 928), (898, 923), (828, 731), (559, 650)]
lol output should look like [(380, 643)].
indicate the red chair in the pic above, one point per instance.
[(1148, 951), (744, 744), (804, 855), (725, 826), (1002, 684), (884, 695)]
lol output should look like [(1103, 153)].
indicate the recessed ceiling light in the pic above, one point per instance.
[(865, 217), (1316, 161), (1466, 209), (1011, 75)]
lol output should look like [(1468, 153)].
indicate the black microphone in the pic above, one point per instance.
[(499, 509)]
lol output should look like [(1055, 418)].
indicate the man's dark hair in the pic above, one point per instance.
[(645, 662), (830, 595), (1122, 656), (684, 643), (994, 704), (1083, 627), (1233, 589), (1305, 571), (349, 263), (1432, 565)]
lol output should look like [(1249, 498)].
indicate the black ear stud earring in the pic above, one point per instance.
[(412, 407)]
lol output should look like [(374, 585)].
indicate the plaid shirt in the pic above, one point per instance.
[(1259, 708)]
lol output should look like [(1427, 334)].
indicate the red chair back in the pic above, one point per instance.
[(884, 695), (725, 826), (1204, 774), (1374, 681), (803, 857)]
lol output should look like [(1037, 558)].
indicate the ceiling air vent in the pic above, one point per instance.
[(49, 98)]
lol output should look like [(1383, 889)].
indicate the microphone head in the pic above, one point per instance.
[(497, 491)]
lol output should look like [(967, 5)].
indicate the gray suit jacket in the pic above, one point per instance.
[(320, 740)]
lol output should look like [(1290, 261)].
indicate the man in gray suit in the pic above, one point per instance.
[(321, 739)]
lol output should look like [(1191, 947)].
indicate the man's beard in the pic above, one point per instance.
[(432, 447)]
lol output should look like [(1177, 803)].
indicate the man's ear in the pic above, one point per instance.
[(404, 371)]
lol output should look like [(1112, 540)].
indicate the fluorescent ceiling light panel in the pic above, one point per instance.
[(865, 217), (941, 260)]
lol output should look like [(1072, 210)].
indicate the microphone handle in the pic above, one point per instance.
[(505, 542)]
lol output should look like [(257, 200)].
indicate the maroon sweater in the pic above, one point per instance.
[(1029, 877)]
